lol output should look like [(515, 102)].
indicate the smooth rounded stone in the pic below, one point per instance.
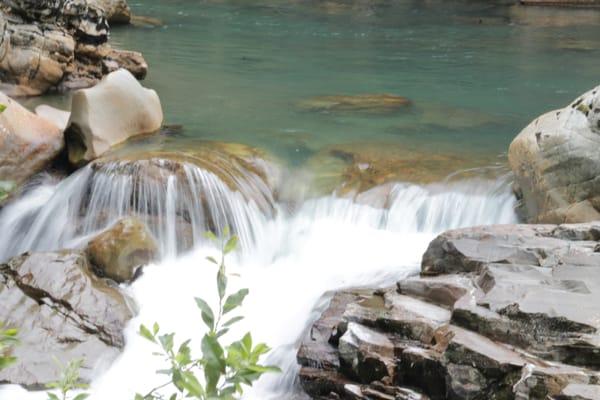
[(58, 117), (116, 109), (116, 11), (556, 163), (28, 143), (119, 251), (361, 103), (62, 311)]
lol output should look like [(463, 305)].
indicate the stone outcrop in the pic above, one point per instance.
[(57, 45), (119, 251), (116, 109), (62, 311), (499, 312), (556, 164), (116, 11), (28, 143)]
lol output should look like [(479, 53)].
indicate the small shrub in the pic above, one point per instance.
[(222, 371)]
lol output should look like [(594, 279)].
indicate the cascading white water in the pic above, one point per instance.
[(169, 197), (328, 243)]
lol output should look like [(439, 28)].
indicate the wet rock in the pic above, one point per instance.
[(119, 251), (28, 143), (363, 103), (116, 11), (62, 311), (58, 46), (504, 311), (113, 111), (556, 166)]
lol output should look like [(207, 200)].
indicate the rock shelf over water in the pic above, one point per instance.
[(507, 311)]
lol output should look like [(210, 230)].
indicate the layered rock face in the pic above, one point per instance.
[(556, 164), (28, 142), (499, 312), (58, 45), (62, 311)]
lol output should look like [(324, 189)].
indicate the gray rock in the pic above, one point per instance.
[(556, 164), (62, 311), (499, 312)]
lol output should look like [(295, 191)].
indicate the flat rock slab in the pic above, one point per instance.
[(62, 311), (500, 311)]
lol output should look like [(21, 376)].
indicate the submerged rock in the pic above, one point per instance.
[(116, 109), (359, 167), (119, 251), (556, 163), (58, 45), (365, 103), (498, 312), (62, 311), (28, 143)]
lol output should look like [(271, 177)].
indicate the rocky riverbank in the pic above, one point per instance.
[(60, 45), (501, 312)]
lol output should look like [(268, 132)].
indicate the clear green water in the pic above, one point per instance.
[(477, 73)]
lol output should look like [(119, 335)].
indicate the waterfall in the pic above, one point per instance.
[(178, 201), (290, 261)]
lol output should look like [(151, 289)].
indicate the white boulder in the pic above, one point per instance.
[(116, 109)]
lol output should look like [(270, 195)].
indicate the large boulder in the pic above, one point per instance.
[(63, 45), (62, 311), (113, 111), (119, 251), (556, 163), (499, 312), (28, 143)]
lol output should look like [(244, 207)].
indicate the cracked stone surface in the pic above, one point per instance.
[(499, 312), (62, 311)]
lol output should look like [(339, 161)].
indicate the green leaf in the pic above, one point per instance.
[(207, 314), (212, 260), (52, 396), (230, 245), (235, 300), (226, 231), (146, 334), (192, 385), (232, 321), (2, 108), (221, 282), (210, 236), (155, 328), (81, 396), (166, 341)]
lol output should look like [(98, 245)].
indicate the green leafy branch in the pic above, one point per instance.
[(222, 371), (68, 382), (8, 339)]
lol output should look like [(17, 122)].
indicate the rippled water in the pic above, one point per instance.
[(476, 72)]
